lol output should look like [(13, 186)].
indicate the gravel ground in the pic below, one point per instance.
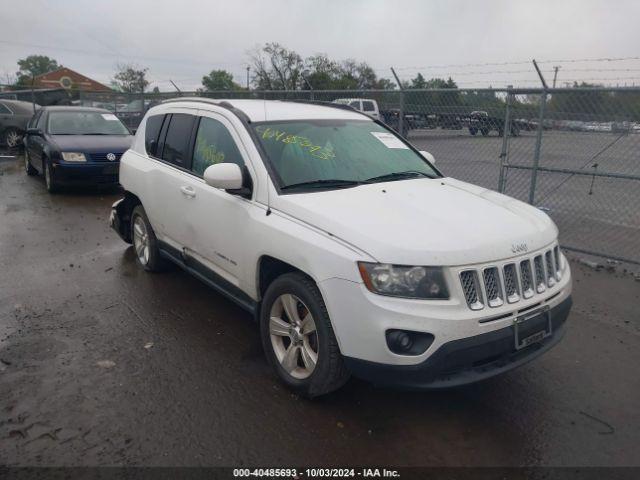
[(103, 364)]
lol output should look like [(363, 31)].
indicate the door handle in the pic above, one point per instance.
[(188, 191)]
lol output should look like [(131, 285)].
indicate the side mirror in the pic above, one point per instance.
[(226, 176), (34, 131), (428, 156)]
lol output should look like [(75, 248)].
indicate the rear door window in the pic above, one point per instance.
[(368, 106), (214, 144), (151, 134), (178, 140)]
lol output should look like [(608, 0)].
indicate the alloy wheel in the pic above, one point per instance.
[(47, 176), (141, 240), (293, 336), (12, 139)]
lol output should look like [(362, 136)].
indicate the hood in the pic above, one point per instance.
[(93, 143), (423, 221)]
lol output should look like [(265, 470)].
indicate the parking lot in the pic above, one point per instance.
[(597, 214), (103, 364)]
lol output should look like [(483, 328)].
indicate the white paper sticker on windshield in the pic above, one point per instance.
[(109, 116), (389, 140)]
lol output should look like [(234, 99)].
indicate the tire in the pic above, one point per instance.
[(145, 243), (11, 138), (328, 373), (473, 131), (27, 165), (49, 179), (484, 132)]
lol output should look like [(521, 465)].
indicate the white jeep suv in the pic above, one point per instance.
[(353, 252)]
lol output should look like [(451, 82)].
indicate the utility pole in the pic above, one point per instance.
[(555, 74), (175, 86), (248, 68)]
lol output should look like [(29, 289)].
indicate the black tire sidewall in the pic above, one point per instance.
[(290, 283), (51, 187)]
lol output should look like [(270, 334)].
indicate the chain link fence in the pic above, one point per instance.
[(573, 152)]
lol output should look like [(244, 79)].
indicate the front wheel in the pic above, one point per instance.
[(473, 131), (49, 179), (27, 165), (298, 338)]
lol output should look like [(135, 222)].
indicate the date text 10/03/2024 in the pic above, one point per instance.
[(316, 473)]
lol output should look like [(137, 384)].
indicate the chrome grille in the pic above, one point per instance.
[(551, 280), (511, 282), (527, 279), (539, 272), (511, 287), (556, 255), (471, 288), (492, 287)]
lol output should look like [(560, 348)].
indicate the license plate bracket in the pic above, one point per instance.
[(532, 328)]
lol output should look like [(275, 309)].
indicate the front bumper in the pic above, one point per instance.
[(465, 360), (71, 174)]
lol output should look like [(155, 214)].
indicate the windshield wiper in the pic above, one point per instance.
[(397, 176), (338, 183)]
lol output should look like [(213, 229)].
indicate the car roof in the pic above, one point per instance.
[(274, 110), (353, 99), (19, 106)]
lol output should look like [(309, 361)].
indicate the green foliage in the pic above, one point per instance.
[(219, 80), (277, 68), (34, 65), (130, 78)]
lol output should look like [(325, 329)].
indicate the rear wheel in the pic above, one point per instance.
[(484, 131), (473, 131), (298, 338), (11, 138), (145, 243)]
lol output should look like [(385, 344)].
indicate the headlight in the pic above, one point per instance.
[(73, 157), (404, 281)]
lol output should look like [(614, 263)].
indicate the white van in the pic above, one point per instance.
[(364, 105)]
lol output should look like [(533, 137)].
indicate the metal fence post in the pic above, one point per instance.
[(506, 132), (401, 115), (536, 152)]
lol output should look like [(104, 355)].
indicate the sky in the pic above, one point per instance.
[(478, 43)]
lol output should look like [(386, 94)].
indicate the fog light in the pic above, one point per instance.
[(399, 340), (405, 342)]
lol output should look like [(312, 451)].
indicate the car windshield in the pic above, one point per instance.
[(338, 153), (85, 123)]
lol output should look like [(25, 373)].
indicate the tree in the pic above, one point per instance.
[(276, 68), (418, 82), (130, 78), (219, 80), (35, 65)]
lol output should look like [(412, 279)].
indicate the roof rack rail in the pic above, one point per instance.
[(212, 101)]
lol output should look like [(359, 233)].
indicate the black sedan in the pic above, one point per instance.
[(14, 116), (75, 146)]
